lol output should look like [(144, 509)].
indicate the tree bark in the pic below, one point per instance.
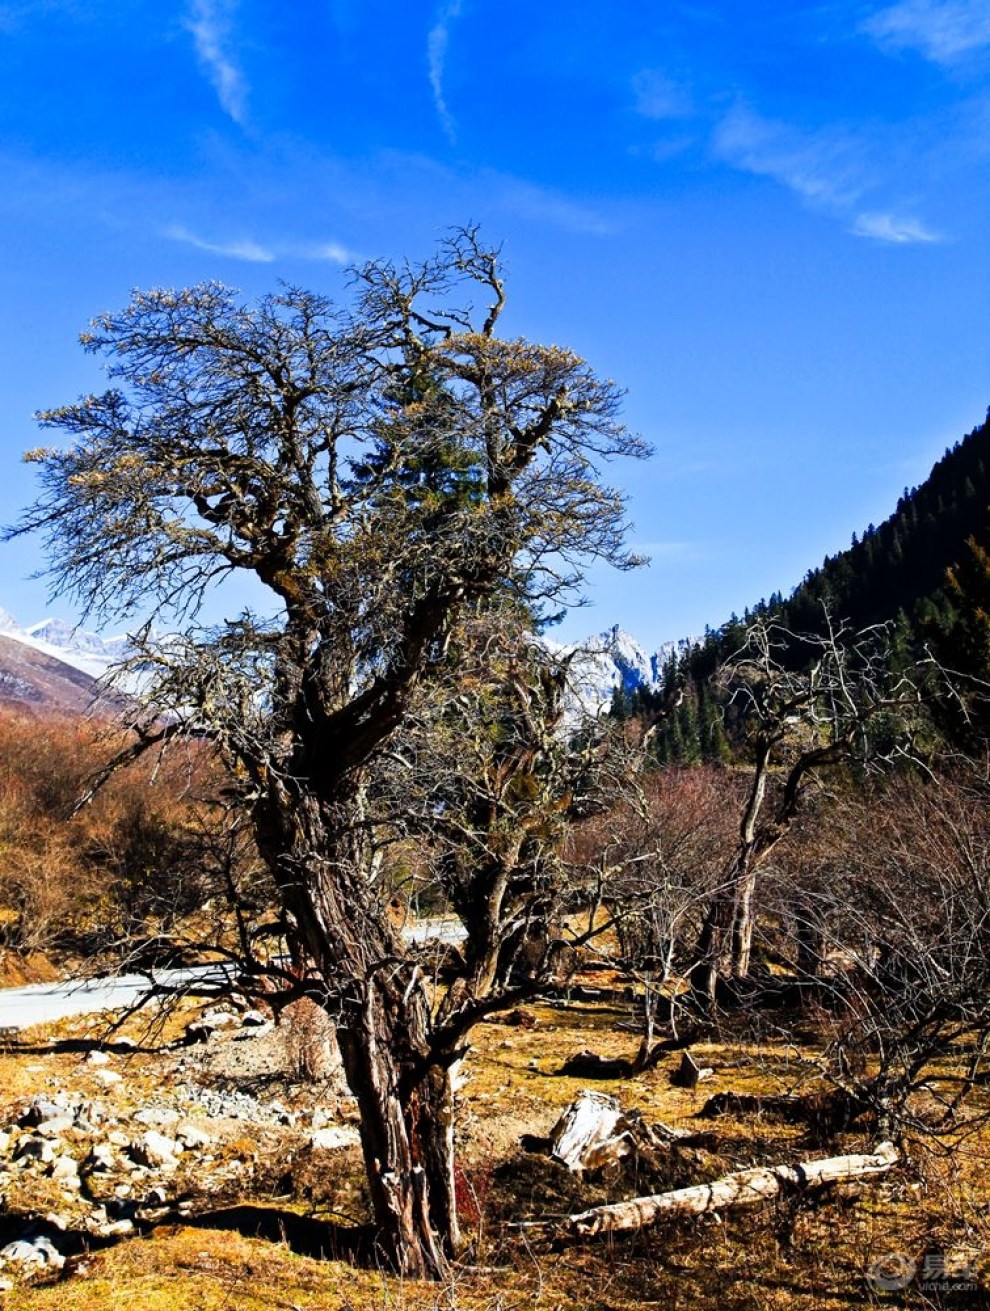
[(407, 1131), (740, 1189), (381, 1006)]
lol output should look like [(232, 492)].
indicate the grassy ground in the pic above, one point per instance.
[(255, 1250)]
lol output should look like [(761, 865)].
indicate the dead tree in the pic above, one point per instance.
[(809, 703)]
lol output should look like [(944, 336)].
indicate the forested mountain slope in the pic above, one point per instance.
[(925, 571)]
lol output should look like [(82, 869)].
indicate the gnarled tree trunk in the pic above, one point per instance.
[(381, 1004), (406, 1103)]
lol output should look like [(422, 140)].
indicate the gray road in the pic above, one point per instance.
[(40, 1003)]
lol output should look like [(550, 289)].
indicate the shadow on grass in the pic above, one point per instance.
[(303, 1235), (79, 1046)]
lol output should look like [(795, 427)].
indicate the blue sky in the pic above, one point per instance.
[(768, 222)]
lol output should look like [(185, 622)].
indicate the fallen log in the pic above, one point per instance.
[(588, 1065), (739, 1189)]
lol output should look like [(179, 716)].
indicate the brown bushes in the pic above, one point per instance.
[(147, 851)]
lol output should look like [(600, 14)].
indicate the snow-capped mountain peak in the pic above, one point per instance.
[(88, 652)]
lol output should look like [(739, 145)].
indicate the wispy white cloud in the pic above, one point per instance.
[(894, 229), (243, 250), (253, 252), (331, 252), (545, 205), (209, 23), (831, 169), (940, 30), (436, 55), (822, 167), (660, 96)]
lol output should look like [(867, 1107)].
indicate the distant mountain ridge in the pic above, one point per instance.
[(612, 659), (52, 666), (88, 652)]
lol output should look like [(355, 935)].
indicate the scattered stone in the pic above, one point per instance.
[(219, 1019), (334, 1137), (156, 1116), (192, 1137), (39, 1251), (35, 1149), (42, 1108), (65, 1170), (55, 1127), (115, 1228), (109, 1077), (154, 1149), (101, 1158), (97, 1057)]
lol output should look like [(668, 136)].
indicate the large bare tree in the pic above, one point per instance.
[(375, 470)]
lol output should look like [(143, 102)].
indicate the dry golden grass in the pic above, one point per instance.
[(813, 1258)]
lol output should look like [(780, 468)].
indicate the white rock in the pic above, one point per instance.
[(65, 1169), (54, 1128), (97, 1057), (40, 1251), (190, 1135), (336, 1135), (156, 1116), (109, 1077), (22, 1252), (154, 1148), (253, 1020), (101, 1157), (219, 1019), (116, 1228)]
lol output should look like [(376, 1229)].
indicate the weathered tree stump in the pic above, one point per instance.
[(588, 1135), (689, 1073)]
